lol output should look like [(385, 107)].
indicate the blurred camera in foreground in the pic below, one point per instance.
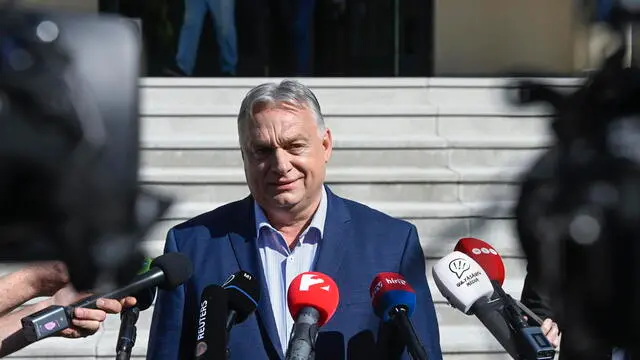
[(69, 140), (578, 214)]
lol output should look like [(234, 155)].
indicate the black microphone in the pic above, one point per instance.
[(167, 272), (489, 312), (211, 343), (530, 341), (128, 319), (243, 292), (127, 334)]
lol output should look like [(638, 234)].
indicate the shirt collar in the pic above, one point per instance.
[(317, 221)]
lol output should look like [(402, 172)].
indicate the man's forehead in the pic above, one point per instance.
[(282, 122), (283, 134)]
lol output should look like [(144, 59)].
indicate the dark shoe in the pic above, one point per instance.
[(174, 70)]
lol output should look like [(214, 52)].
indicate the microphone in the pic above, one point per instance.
[(485, 255), (167, 271), (243, 294), (531, 342), (212, 332), (467, 288), (313, 299), (129, 317), (491, 261), (394, 300)]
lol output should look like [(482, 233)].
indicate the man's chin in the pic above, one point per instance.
[(284, 201)]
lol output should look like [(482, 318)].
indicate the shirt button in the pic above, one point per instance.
[(291, 258)]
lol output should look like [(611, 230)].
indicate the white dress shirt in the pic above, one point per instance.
[(281, 265)]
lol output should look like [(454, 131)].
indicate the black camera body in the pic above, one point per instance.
[(578, 214), (69, 144)]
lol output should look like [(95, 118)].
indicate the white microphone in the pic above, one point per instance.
[(466, 286), (462, 281)]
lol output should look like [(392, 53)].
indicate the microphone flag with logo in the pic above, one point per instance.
[(313, 289), (313, 299)]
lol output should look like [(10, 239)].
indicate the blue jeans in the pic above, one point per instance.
[(223, 13), (603, 9)]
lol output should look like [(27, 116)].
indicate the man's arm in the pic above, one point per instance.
[(166, 326), (424, 319), (535, 297), (32, 281)]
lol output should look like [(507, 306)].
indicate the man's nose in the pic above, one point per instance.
[(281, 161)]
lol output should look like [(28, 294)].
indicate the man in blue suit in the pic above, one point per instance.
[(292, 223)]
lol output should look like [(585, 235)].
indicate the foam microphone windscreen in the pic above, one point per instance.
[(177, 269), (144, 298), (389, 290), (243, 292), (485, 255), (316, 290)]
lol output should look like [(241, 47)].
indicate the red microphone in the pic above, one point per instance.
[(313, 299), (491, 262), (485, 255)]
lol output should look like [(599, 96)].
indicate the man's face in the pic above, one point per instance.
[(285, 157)]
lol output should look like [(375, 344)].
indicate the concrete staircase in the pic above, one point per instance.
[(436, 152)]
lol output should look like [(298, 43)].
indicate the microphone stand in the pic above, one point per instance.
[(127, 334), (404, 326)]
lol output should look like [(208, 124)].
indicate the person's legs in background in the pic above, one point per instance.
[(225, 25), (302, 37), (194, 14)]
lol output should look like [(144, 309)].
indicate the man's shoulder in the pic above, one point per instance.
[(374, 217), (225, 215)]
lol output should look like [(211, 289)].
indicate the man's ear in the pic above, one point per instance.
[(327, 144)]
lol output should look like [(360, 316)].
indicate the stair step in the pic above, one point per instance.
[(203, 154), (223, 125), (441, 192), (199, 141), (442, 97), (360, 184), (334, 175), (365, 123)]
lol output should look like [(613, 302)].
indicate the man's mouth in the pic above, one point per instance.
[(283, 183)]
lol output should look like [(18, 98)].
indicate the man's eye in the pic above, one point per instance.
[(261, 151)]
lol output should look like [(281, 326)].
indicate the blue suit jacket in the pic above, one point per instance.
[(358, 243)]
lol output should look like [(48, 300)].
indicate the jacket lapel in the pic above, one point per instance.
[(336, 237), (243, 242)]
